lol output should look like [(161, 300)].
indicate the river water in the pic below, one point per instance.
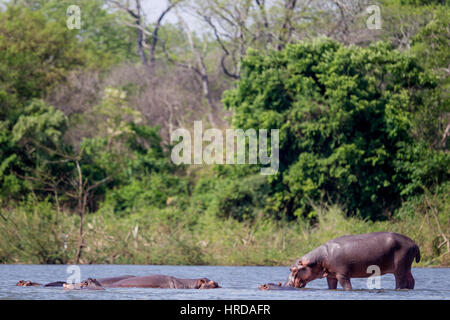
[(238, 283)]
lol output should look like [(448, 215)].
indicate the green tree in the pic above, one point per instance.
[(101, 35), (343, 115), (35, 55), (431, 45), (80, 177)]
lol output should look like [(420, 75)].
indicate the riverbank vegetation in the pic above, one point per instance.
[(86, 117), (170, 236)]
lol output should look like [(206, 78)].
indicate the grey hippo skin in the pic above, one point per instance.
[(107, 282), (163, 281), (348, 257)]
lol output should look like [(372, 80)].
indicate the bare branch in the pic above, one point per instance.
[(201, 67), (143, 29)]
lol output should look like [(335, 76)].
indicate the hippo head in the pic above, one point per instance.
[(205, 283), (303, 272), (264, 287), (27, 283), (23, 283), (91, 284), (269, 286)]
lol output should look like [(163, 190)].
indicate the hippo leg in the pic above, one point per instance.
[(410, 280), (344, 281), (402, 271), (400, 281), (332, 283), (404, 280)]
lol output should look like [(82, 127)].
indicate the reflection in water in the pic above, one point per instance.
[(236, 282)]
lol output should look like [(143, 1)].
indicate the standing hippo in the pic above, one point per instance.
[(350, 256), (163, 281)]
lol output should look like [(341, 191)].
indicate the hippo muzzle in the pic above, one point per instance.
[(295, 280), (208, 284)]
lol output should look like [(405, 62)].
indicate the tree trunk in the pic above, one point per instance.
[(82, 197), (203, 72)]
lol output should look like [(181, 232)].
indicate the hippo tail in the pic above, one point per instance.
[(417, 254)]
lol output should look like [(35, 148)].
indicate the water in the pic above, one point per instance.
[(237, 283)]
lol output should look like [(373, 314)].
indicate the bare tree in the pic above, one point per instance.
[(200, 68), (241, 24), (229, 23), (143, 29), (70, 183), (82, 193), (287, 26)]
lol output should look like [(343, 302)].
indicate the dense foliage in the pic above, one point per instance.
[(344, 114), (86, 116)]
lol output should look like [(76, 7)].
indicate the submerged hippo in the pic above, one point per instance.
[(163, 281), (129, 281), (273, 286), (28, 283), (90, 284), (350, 256), (106, 282)]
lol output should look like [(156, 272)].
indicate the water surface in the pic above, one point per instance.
[(238, 283)]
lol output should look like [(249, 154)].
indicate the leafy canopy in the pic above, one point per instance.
[(344, 114)]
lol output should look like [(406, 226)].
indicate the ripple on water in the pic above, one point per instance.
[(238, 283)]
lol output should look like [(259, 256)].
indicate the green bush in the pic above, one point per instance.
[(343, 114), (155, 190), (36, 233), (231, 197)]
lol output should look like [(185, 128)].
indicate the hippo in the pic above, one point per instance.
[(163, 281), (28, 283), (107, 282), (130, 281), (90, 284), (349, 256), (55, 284), (273, 286)]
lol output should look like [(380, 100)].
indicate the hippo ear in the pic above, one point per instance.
[(200, 283), (294, 270)]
